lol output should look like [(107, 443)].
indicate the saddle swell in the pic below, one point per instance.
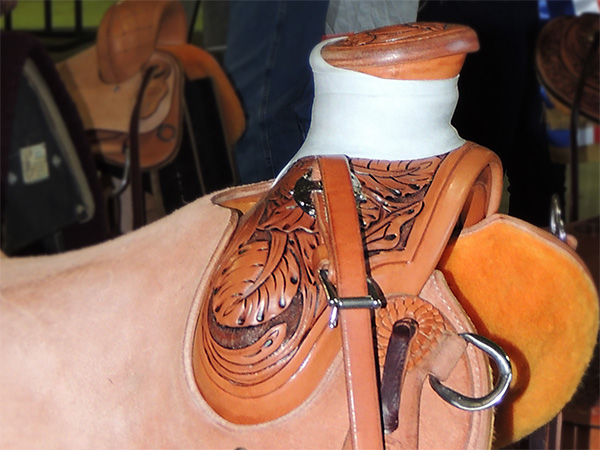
[(264, 343)]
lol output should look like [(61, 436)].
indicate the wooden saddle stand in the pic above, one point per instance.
[(352, 303), (131, 90)]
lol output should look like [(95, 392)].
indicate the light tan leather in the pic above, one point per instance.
[(129, 33), (97, 344), (117, 346), (105, 79), (106, 109)]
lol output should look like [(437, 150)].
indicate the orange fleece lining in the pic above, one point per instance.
[(531, 294)]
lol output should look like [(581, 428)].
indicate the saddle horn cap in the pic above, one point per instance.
[(420, 50)]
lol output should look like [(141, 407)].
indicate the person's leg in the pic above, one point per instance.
[(269, 43)]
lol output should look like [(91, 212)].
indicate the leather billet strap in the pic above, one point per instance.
[(337, 213)]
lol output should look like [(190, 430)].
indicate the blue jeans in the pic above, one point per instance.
[(268, 46)]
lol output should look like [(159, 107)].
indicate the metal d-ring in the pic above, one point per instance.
[(495, 396)]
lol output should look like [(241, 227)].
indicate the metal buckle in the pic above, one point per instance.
[(373, 300), (497, 393)]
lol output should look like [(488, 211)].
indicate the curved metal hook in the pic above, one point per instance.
[(495, 396), (557, 225)]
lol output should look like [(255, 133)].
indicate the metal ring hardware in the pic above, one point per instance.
[(495, 396), (557, 224), (372, 301)]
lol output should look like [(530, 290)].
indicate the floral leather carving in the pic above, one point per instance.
[(565, 50), (264, 344)]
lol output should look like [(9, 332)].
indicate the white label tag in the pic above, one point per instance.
[(34, 163)]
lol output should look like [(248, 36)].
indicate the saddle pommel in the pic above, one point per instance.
[(130, 32), (417, 51)]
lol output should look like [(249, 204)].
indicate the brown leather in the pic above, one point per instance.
[(269, 256), (129, 33), (338, 215), (104, 81), (460, 188), (563, 46), (422, 50), (403, 242)]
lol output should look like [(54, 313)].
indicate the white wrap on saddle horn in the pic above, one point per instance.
[(363, 116)]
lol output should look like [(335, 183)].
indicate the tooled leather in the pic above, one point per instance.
[(431, 326), (264, 309), (397, 46), (394, 194), (265, 290), (561, 51), (263, 301)]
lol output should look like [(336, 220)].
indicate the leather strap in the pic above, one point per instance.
[(137, 190), (338, 214)]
